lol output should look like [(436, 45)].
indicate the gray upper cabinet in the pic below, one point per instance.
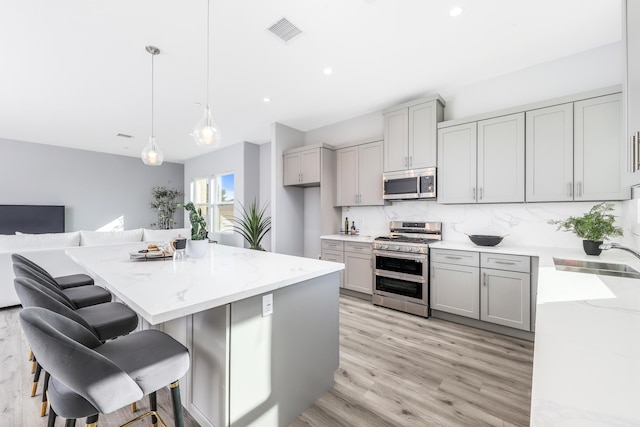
[(302, 167), (410, 132), (574, 151), (632, 39), (359, 175), (598, 152), (501, 159), (457, 164), (482, 162), (550, 154)]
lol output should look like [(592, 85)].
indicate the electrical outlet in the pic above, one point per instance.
[(267, 305)]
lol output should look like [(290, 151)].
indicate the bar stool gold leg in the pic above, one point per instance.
[(30, 354), (134, 407)]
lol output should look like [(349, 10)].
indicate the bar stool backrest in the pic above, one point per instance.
[(24, 270), (32, 294), (20, 259), (64, 348)]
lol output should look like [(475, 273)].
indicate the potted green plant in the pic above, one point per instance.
[(164, 203), (253, 224), (199, 242), (593, 227)]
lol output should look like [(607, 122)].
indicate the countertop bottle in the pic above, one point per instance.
[(346, 226), (353, 227)]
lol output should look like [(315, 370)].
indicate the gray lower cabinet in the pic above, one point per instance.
[(505, 298), (358, 260), (333, 250), (455, 282), (490, 287)]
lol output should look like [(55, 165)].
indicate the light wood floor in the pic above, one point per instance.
[(402, 370), (395, 370)]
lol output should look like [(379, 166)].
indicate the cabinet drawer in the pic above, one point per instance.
[(332, 255), (506, 262), (336, 245), (361, 248), (449, 256)]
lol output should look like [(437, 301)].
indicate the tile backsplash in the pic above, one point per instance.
[(525, 223)]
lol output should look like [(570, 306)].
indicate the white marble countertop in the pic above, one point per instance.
[(162, 290), (586, 367), (349, 238)]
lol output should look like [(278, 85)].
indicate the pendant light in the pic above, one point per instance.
[(151, 154), (207, 132)]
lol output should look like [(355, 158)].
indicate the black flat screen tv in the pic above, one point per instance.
[(33, 219)]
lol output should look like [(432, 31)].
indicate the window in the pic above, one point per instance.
[(215, 196), (223, 202)]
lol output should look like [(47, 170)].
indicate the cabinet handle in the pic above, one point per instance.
[(504, 263), (484, 279), (473, 193), (452, 257), (406, 161), (637, 150), (634, 153), (579, 188), (410, 160), (480, 193), (570, 189)]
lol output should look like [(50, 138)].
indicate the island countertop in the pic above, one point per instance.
[(163, 290)]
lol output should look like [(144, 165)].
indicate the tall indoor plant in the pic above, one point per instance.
[(199, 242), (164, 203), (593, 227), (253, 224)]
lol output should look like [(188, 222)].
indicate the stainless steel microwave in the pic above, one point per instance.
[(410, 184)]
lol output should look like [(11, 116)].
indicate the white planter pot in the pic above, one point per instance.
[(197, 248)]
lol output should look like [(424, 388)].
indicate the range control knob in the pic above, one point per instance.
[(384, 246), (395, 248)]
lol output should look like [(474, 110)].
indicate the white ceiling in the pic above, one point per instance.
[(75, 73)]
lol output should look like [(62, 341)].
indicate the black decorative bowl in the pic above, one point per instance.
[(485, 240)]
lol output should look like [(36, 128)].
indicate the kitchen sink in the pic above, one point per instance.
[(595, 267)]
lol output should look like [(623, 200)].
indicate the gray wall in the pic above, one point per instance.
[(243, 160), (96, 188)]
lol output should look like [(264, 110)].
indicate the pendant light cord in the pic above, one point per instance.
[(152, 55), (208, 38)]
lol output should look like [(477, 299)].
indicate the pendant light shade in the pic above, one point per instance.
[(207, 132), (151, 153)]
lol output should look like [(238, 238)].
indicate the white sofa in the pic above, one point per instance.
[(48, 250)]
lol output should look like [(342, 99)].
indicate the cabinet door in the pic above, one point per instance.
[(292, 169), (598, 149), (506, 298), (632, 27), (549, 154), (501, 159), (457, 164), (370, 174), (310, 169), (454, 289), (358, 272), (347, 176), (422, 135), (396, 156), (334, 256)]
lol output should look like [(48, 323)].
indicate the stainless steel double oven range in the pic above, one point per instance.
[(402, 266)]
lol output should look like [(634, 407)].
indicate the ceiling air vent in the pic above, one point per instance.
[(284, 30)]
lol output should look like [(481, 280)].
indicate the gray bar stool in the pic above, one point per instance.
[(104, 376), (65, 282), (106, 321), (80, 296)]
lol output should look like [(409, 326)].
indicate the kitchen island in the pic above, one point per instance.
[(248, 367)]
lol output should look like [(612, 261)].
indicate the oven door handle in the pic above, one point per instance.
[(416, 257), (401, 276)]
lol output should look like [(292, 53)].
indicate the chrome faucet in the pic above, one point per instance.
[(607, 246)]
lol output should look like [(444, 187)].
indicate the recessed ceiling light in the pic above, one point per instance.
[(266, 100), (455, 11), (328, 71)]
